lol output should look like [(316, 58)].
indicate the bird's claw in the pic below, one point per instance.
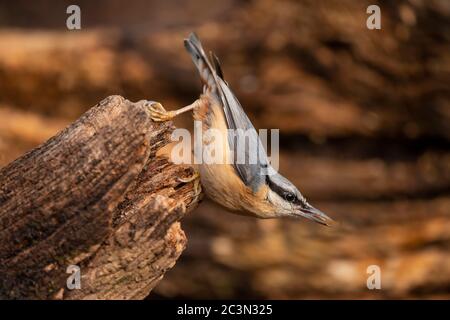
[(158, 113), (194, 176), (197, 185)]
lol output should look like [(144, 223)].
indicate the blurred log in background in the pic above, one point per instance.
[(364, 119)]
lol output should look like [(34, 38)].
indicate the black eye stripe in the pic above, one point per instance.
[(275, 188), (283, 192), (287, 195)]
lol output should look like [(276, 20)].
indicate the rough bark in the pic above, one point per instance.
[(95, 195)]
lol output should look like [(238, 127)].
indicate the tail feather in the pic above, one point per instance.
[(208, 72), (217, 65)]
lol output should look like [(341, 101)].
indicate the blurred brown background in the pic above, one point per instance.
[(364, 118)]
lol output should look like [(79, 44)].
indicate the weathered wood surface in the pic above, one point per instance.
[(95, 195)]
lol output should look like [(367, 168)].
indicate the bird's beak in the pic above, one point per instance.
[(316, 215)]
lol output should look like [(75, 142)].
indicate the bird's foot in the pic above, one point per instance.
[(158, 113), (197, 185), (197, 190), (194, 176)]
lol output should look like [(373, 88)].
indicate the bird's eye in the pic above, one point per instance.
[(289, 196)]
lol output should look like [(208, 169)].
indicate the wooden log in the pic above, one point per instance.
[(97, 196)]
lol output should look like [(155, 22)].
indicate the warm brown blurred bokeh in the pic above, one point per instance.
[(364, 118)]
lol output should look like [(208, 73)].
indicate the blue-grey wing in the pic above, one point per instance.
[(250, 158)]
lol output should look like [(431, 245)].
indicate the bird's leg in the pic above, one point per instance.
[(159, 114), (197, 185)]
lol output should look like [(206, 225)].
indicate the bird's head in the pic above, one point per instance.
[(286, 200)]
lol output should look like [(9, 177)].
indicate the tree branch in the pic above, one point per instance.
[(96, 195)]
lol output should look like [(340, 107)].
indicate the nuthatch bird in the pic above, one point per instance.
[(240, 187)]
